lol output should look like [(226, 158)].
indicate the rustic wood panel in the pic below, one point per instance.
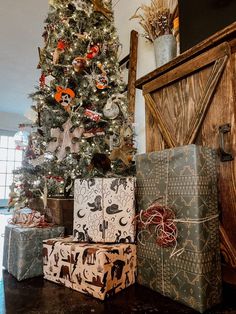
[(177, 104), (222, 111), (153, 134), (174, 105)]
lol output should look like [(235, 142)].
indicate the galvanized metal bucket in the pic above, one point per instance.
[(165, 48)]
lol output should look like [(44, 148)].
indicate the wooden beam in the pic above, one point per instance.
[(188, 68), (133, 57)]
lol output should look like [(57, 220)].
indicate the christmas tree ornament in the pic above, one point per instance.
[(83, 36), (93, 115), (64, 97), (99, 7), (82, 5), (101, 162), (61, 46), (35, 146), (42, 80), (49, 79), (94, 132), (79, 64), (101, 80), (111, 109), (93, 51), (38, 161), (123, 153)]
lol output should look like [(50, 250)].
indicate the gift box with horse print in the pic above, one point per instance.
[(98, 270), (104, 210), (22, 255), (178, 238)]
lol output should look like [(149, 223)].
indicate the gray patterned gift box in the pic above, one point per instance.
[(22, 256), (185, 180), (104, 210), (98, 270)]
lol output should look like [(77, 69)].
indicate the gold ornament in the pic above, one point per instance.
[(124, 153), (99, 7)]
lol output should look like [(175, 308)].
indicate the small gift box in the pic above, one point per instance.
[(178, 238), (104, 210), (22, 255), (98, 270)]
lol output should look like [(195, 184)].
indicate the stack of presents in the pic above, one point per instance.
[(159, 229)]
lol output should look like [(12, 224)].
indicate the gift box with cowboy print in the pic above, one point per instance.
[(104, 210), (98, 270), (178, 241), (22, 255)]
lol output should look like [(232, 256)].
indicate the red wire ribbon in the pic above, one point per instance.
[(162, 218)]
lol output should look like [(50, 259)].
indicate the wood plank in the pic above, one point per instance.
[(153, 134), (204, 101), (169, 138), (133, 57), (223, 35), (227, 249), (187, 68)]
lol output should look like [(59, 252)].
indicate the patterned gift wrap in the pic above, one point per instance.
[(98, 270), (104, 210), (184, 179), (22, 255)]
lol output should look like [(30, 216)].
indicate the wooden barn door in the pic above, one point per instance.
[(195, 103)]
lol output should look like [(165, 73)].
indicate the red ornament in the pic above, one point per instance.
[(93, 51), (42, 80), (61, 45), (93, 115)]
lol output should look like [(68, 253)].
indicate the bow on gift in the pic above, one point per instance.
[(163, 219)]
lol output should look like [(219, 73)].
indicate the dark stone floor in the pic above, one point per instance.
[(40, 296)]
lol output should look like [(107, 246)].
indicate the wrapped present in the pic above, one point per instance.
[(98, 270), (22, 255), (178, 242), (104, 210), (26, 217), (61, 210)]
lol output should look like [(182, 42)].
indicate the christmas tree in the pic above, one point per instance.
[(83, 128)]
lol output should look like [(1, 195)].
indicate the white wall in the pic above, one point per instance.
[(9, 122), (123, 10)]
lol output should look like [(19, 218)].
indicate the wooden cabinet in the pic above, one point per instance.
[(192, 99)]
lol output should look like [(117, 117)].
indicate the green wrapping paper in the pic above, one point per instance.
[(22, 255), (185, 180)]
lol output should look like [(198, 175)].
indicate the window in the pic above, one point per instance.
[(10, 159)]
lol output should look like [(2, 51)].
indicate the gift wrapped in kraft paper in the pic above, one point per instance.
[(22, 254), (104, 210), (178, 242), (98, 270)]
